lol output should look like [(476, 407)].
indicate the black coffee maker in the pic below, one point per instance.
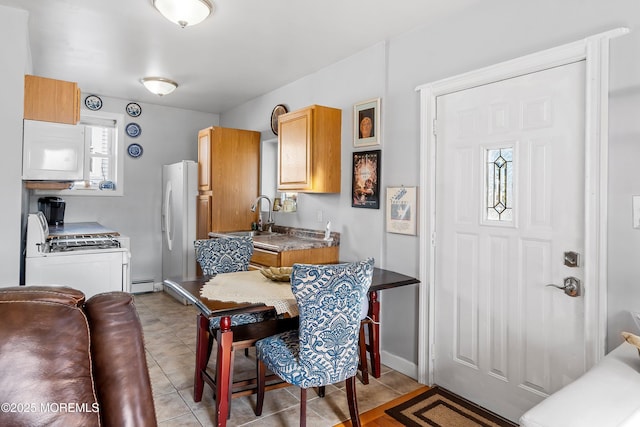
[(53, 209)]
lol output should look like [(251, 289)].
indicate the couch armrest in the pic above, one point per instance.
[(606, 395), (120, 366)]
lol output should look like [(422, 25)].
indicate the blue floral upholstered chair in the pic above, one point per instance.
[(224, 254), (324, 349), (228, 255)]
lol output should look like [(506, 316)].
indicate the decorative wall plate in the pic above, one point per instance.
[(277, 111), (93, 102), (133, 109), (134, 150), (133, 130)]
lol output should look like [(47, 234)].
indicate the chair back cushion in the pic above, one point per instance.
[(224, 254), (329, 300)]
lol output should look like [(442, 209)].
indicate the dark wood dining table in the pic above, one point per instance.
[(229, 339)]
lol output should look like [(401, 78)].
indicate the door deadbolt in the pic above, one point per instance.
[(571, 259), (571, 286)]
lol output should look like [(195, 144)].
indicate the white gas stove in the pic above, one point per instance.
[(85, 256)]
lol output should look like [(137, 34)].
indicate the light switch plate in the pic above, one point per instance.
[(635, 202)]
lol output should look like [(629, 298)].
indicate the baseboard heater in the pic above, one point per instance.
[(142, 286)]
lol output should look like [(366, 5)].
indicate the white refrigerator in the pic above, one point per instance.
[(179, 195)]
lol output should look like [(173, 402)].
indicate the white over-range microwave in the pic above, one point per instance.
[(54, 152)]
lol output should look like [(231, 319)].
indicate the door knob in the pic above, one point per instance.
[(571, 286)]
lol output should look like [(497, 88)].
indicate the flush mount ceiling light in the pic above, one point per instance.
[(184, 12), (159, 85)]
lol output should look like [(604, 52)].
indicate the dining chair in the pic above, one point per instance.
[(324, 349), (363, 347), (227, 255)]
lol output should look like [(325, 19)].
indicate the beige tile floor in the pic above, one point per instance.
[(170, 335)]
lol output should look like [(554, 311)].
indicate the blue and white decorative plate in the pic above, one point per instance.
[(93, 102), (107, 185), (133, 109), (133, 130), (134, 150)]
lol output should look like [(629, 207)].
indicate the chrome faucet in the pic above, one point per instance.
[(270, 220)]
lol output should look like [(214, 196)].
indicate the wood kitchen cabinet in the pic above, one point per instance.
[(203, 215), (265, 258), (51, 100), (228, 179), (309, 144)]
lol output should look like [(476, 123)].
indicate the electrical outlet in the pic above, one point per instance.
[(636, 318), (319, 216)]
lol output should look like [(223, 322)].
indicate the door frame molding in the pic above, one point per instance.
[(595, 51)]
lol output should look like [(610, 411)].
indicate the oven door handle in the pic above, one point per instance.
[(167, 220)]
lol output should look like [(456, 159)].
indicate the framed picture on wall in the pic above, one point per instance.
[(366, 123), (401, 210), (365, 185)]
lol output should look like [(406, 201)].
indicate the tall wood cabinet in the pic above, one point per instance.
[(309, 143), (228, 179), (51, 100)]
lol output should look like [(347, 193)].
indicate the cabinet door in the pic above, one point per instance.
[(203, 215), (204, 160), (294, 150), (54, 151), (235, 178), (51, 100)]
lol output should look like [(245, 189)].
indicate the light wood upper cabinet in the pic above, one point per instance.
[(228, 179), (309, 144), (51, 100), (204, 159)]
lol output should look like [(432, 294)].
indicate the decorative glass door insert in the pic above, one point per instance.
[(499, 184)]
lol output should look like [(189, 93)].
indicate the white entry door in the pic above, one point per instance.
[(510, 185)]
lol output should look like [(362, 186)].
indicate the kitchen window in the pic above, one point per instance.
[(104, 155)]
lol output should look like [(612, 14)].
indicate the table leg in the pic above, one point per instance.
[(374, 333), (202, 345), (223, 371)]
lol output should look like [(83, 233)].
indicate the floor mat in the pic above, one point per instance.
[(438, 407)]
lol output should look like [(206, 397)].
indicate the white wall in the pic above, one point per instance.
[(168, 136), (357, 78), (14, 52), (495, 31), (624, 241)]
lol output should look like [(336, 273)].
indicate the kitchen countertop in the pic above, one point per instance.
[(284, 239)]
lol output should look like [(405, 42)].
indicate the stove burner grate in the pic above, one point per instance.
[(82, 242)]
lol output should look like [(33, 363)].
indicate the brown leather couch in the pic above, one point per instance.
[(64, 362)]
